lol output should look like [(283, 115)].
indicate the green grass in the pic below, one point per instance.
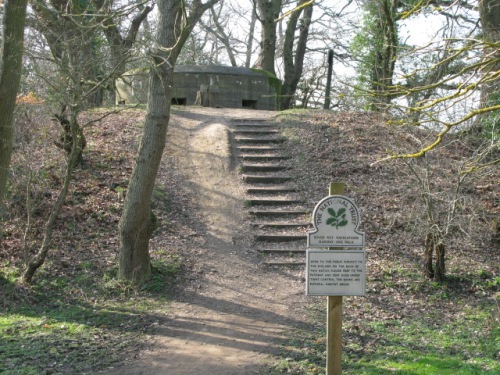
[(463, 339), (467, 346), (78, 324), (71, 341)]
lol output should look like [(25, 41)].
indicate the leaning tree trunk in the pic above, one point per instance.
[(10, 75), (137, 222), (39, 259)]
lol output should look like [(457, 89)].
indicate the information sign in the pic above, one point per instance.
[(335, 273), (336, 219)]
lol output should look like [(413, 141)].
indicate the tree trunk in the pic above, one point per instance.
[(137, 222), (222, 36), (385, 44), (328, 88), (428, 255), (66, 140), (136, 225), (489, 11), (293, 66), (269, 11), (434, 246), (39, 259), (439, 270), (10, 75), (121, 47), (251, 35)]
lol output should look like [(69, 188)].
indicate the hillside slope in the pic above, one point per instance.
[(213, 306)]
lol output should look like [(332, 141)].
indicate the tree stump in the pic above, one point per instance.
[(434, 246)]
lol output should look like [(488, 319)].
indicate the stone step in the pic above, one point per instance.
[(271, 190), (280, 237), (255, 179), (272, 202), (259, 140), (263, 157), (277, 213), (262, 167)]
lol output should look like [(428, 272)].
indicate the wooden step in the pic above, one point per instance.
[(285, 264), (280, 237), (280, 225), (263, 157), (238, 121), (271, 190), (255, 148), (262, 167), (255, 179), (272, 202), (254, 125), (278, 212), (281, 251), (259, 140), (256, 131)]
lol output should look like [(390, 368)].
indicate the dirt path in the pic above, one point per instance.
[(228, 320)]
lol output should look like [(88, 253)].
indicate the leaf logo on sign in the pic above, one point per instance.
[(337, 219)]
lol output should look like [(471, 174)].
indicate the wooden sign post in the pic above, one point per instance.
[(339, 268), (334, 317)]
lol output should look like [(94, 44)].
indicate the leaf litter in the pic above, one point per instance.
[(327, 147)]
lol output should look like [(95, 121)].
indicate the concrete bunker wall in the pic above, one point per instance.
[(236, 87)]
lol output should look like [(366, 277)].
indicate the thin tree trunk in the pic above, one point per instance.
[(121, 47), (328, 89), (293, 65), (222, 36), (39, 259), (251, 35), (10, 75)]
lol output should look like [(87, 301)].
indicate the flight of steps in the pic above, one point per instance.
[(278, 216)]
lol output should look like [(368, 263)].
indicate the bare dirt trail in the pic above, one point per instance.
[(227, 320)]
